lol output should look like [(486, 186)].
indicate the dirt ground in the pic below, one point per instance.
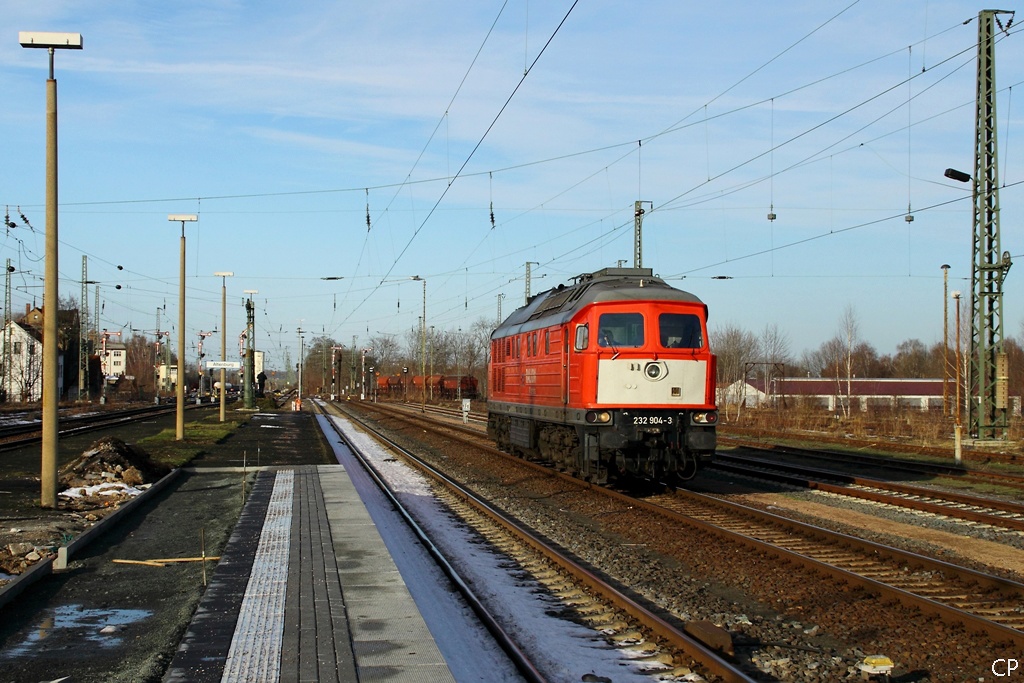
[(107, 620)]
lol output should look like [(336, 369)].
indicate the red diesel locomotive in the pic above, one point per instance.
[(607, 376)]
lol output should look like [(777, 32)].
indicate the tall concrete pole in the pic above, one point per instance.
[(223, 340), (48, 477), (179, 422), (51, 384), (179, 393)]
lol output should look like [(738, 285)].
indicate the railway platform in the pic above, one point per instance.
[(306, 590)]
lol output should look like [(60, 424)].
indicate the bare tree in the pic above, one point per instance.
[(848, 333), (140, 363), (774, 345), (774, 349), (734, 347), (474, 351), (385, 352), (911, 360)]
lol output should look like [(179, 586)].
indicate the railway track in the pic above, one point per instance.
[(916, 466), (996, 513), (981, 602), (860, 448), (16, 436), (625, 621)]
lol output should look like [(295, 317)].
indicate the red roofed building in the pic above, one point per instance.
[(832, 394)]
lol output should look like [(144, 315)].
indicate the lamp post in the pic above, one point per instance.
[(945, 338), (48, 474), (423, 347), (179, 423), (957, 429), (223, 275)]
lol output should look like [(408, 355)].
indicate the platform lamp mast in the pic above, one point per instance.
[(48, 471), (8, 353), (83, 334), (179, 424)]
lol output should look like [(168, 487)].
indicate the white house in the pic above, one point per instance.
[(21, 364), (113, 359)]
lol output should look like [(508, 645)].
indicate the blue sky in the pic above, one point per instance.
[(279, 124)]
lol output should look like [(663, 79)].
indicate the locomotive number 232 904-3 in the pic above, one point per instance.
[(652, 419)]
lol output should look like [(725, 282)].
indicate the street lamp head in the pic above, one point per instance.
[(944, 266), (182, 217), (955, 295), (225, 273), (50, 40), (954, 174)]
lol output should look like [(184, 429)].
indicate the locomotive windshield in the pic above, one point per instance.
[(679, 331), (618, 330)]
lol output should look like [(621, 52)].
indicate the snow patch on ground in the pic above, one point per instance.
[(563, 650)]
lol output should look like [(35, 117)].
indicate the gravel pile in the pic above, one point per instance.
[(109, 473)]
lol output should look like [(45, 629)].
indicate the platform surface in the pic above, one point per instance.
[(306, 591)]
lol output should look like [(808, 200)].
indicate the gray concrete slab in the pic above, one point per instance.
[(324, 600)]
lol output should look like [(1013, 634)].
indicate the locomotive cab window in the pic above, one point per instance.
[(582, 337), (618, 330), (679, 331)]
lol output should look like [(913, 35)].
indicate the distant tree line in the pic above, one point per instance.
[(742, 353)]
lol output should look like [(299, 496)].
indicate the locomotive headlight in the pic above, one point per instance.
[(598, 416), (655, 371), (704, 418)]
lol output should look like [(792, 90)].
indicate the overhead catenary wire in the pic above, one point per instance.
[(771, 176)]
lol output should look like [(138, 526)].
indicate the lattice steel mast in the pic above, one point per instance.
[(987, 378)]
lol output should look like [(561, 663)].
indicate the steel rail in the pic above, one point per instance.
[(819, 479), (892, 462), (81, 425), (508, 645), (684, 642), (759, 437), (869, 549)]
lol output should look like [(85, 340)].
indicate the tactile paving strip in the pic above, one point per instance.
[(255, 652)]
